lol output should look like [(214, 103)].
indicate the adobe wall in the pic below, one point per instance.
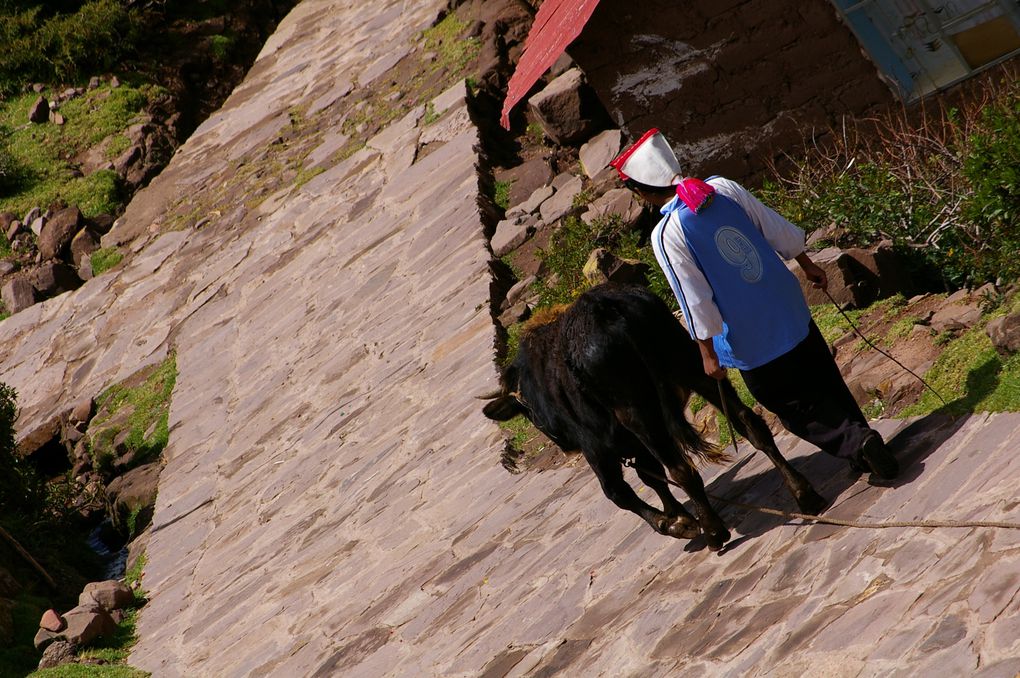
[(729, 82)]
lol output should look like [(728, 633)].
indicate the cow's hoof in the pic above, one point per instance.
[(681, 529), (811, 502), (717, 539)]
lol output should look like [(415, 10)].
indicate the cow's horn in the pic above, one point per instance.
[(491, 395)]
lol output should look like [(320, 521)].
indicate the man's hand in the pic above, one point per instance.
[(813, 272), (710, 361)]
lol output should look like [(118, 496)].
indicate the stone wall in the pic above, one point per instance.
[(729, 82)]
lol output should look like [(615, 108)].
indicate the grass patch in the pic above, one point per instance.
[(104, 259), (501, 194), (148, 410), (90, 671), (221, 46), (40, 154), (431, 115), (973, 377)]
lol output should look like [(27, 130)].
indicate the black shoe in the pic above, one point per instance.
[(876, 456)]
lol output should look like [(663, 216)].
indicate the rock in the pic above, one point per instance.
[(109, 595), (6, 219), (519, 291), (57, 654), (958, 314), (101, 223), (38, 87), (844, 274), (40, 110), (9, 586), (55, 277), (562, 202), (12, 230), (93, 82), (1005, 334), (604, 266), (17, 295), (31, 215), (560, 108), (562, 64), (82, 411), (58, 232), (37, 225), (43, 638), (114, 82), (606, 180), (68, 93), (85, 268), (536, 199), (133, 491), (7, 267), (84, 242), (597, 153), (57, 118), (517, 313), (512, 233), (86, 623), (619, 201), (561, 180), (52, 621), (526, 178)]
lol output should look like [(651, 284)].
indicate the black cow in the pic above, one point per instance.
[(609, 376)]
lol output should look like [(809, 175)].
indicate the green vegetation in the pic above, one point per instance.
[(431, 115), (39, 154), (945, 188), (141, 409), (62, 41), (90, 671), (104, 259), (221, 46), (501, 194)]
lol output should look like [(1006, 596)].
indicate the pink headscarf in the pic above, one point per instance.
[(695, 193)]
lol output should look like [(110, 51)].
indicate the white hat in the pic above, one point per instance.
[(650, 161)]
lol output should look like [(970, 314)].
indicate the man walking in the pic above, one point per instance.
[(720, 247)]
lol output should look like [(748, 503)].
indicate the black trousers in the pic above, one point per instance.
[(804, 388)]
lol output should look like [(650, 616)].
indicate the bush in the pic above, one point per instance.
[(943, 185)]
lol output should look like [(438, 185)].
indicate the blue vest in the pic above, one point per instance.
[(763, 309)]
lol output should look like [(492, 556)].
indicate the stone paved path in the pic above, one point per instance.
[(332, 503)]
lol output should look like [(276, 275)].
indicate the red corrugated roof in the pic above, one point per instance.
[(556, 25)]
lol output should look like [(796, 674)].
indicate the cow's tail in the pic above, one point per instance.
[(692, 443)]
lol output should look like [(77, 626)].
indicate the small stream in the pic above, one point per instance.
[(114, 562)]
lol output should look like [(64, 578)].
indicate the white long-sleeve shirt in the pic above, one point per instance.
[(682, 271)]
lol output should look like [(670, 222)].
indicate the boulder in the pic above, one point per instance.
[(619, 201), (44, 638), (526, 178), (520, 291), (1005, 334), (58, 232), (57, 654), (606, 180), (52, 621), (597, 153), (85, 242), (562, 202), (37, 225), (533, 202), (133, 491), (960, 312), (560, 108), (844, 274), (17, 295), (7, 267), (55, 277), (86, 623), (12, 229), (512, 233), (604, 266), (110, 595), (39, 111), (6, 219), (517, 313), (31, 215)]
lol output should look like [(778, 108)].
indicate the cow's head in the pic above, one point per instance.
[(506, 403)]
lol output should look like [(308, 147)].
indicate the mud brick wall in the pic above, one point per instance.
[(731, 83)]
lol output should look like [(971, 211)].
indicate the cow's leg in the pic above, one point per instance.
[(652, 433), (607, 468), (681, 523), (751, 426)]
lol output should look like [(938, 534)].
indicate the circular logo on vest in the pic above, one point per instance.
[(738, 251)]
